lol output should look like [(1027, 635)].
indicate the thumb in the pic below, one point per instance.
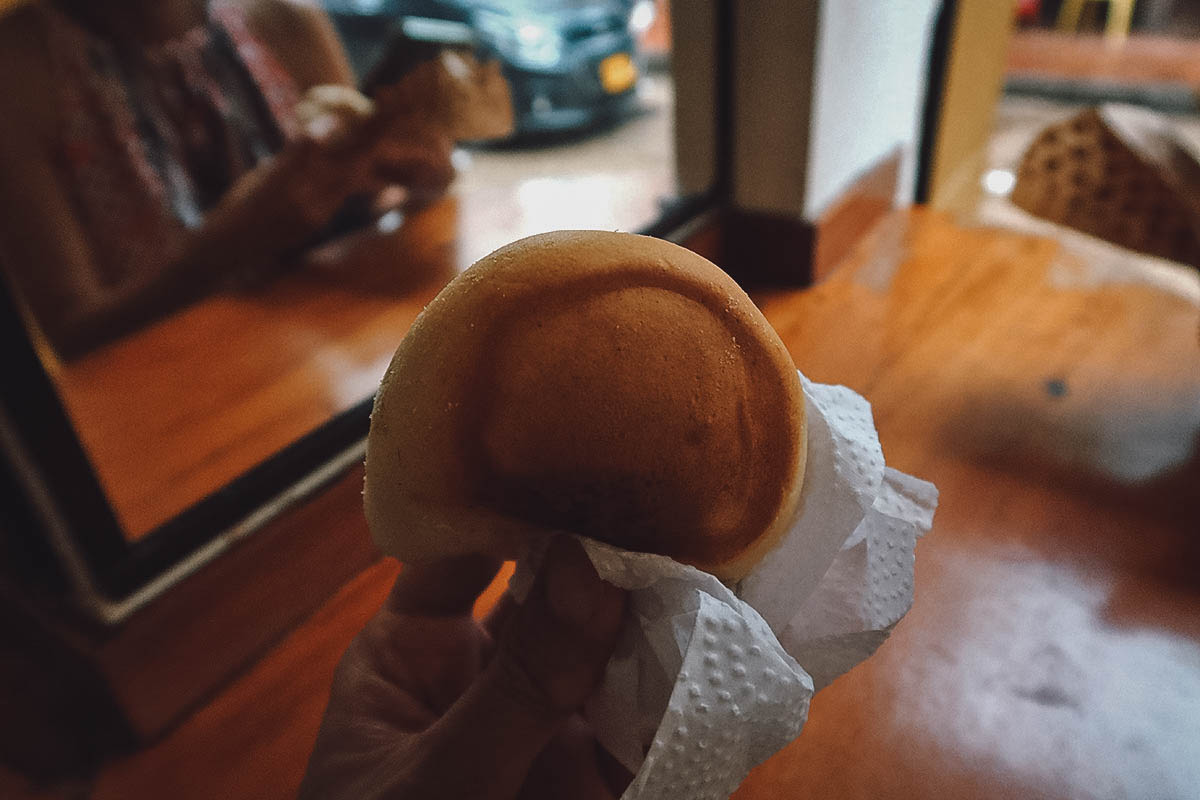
[(548, 661)]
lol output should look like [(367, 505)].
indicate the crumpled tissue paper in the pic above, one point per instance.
[(708, 680)]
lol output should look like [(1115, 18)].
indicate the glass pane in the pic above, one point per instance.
[(217, 252)]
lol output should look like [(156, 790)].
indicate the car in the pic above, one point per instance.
[(569, 63)]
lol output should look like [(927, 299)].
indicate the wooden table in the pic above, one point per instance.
[(1140, 59), (1054, 646), (1053, 650), (225, 383)]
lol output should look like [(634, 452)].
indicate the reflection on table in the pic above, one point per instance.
[(225, 383)]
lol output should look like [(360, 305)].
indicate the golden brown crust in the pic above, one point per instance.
[(611, 385)]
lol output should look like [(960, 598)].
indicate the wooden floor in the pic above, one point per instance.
[(1158, 59), (1054, 647)]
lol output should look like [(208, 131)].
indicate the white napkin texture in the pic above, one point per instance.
[(709, 681)]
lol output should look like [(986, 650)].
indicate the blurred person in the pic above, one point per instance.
[(428, 702), (152, 151)]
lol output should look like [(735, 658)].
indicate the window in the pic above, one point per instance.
[(160, 412)]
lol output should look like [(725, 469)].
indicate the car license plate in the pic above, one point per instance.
[(617, 73)]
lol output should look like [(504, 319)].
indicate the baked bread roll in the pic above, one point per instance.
[(610, 385)]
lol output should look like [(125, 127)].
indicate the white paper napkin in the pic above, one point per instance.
[(708, 681)]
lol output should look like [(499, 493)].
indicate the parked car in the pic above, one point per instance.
[(569, 63)]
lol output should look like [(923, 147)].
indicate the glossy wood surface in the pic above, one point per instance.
[(172, 655), (1138, 59), (1054, 647), (1053, 650), (220, 386)]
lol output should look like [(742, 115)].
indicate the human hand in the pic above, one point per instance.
[(420, 164), (274, 209), (429, 703), (329, 107), (280, 205), (409, 148)]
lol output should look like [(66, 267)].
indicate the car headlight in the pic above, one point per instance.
[(525, 42), (641, 17), (537, 45)]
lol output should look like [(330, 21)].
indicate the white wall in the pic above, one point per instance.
[(871, 63)]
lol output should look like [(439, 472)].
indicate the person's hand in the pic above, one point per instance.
[(423, 166), (275, 208), (407, 148), (429, 703), (278, 206)]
